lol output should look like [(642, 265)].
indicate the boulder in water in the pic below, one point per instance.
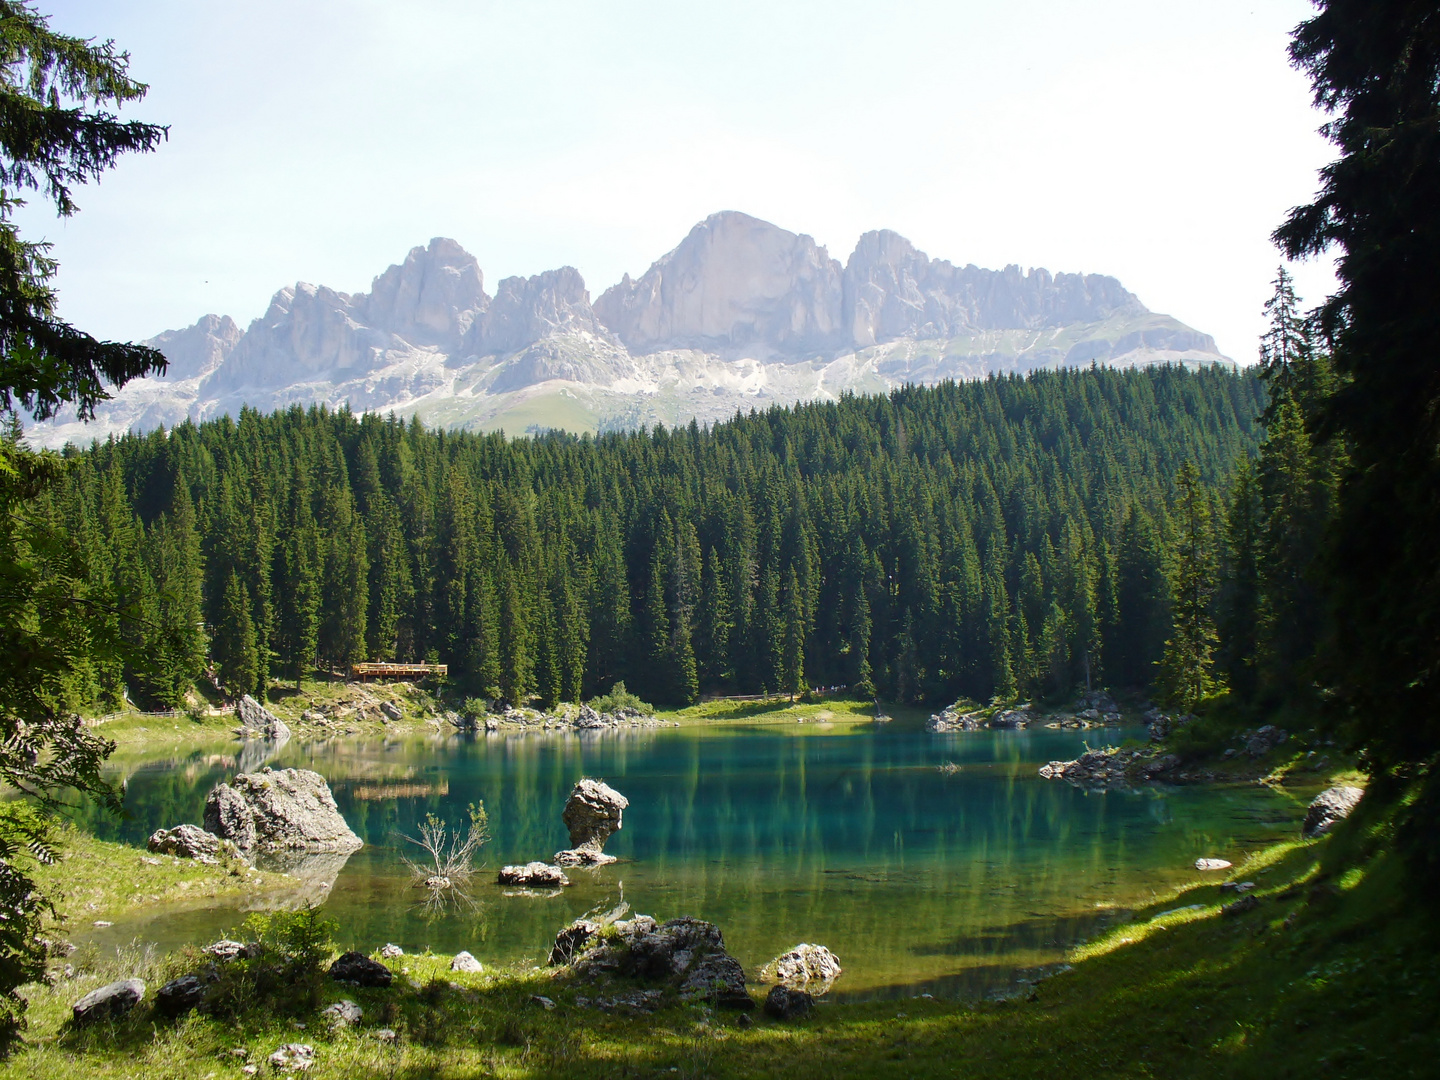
[(592, 813), (279, 810), (535, 875), (803, 965)]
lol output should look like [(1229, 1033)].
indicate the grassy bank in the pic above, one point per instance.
[(98, 880), (1329, 974)]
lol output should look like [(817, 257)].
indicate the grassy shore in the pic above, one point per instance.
[(97, 880), (1329, 974)]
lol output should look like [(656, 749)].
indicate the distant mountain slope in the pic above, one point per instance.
[(740, 314)]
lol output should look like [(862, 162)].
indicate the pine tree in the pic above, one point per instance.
[(1186, 675), (236, 654), (715, 624), (792, 679)]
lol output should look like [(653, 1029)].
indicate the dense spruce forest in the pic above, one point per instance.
[(978, 539)]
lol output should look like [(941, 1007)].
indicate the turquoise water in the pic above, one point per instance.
[(851, 836)]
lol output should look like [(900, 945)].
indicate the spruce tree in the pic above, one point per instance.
[(236, 656), (1186, 668)]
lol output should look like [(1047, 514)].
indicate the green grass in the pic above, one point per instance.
[(97, 879), (1332, 974)]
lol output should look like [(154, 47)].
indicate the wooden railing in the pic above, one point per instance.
[(396, 671)]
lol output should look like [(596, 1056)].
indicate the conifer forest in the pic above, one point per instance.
[(976, 539)]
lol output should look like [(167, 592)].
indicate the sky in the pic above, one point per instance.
[(1159, 141)]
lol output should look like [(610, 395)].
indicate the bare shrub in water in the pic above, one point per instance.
[(448, 860)]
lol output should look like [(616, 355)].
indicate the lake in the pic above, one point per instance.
[(954, 882)]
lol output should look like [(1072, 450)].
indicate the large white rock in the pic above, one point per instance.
[(279, 810)]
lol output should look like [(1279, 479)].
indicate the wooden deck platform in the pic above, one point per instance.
[(397, 671)]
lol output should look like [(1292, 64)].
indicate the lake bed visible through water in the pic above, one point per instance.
[(952, 882)]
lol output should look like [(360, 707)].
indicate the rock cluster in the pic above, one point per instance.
[(191, 842), (584, 718), (687, 955), (1111, 766), (1329, 808), (1094, 709), (279, 810), (1262, 740)]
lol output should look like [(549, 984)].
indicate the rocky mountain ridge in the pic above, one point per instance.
[(740, 314)]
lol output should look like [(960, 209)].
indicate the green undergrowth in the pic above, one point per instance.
[(97, 879), (1331, 973)]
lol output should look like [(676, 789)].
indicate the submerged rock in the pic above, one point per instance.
[(277, 810), (785, 1003), (1212, 864), (108, 1002), (357, 968), (535, 875), (805, 964), (191, 842), (583, 857), (1329, 808)]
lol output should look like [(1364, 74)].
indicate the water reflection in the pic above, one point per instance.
[(854, 839)]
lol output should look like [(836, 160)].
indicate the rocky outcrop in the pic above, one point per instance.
[(805, 965), (358, 969), (952, 719), (260, 721), (279, 810), (528, 310), (592, 814), (191, 842), (1110, 766), (109, 1002), (1329, 808), (735, 282), (686, 954), (534, 875)]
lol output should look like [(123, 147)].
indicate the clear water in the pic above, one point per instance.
[(920, 880)]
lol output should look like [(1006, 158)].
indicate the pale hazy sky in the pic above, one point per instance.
[(1156, 140)]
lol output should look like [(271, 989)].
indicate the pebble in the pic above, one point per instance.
[(1212, 864)]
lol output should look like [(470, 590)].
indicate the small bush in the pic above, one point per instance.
[(619, 698), (284, 968)]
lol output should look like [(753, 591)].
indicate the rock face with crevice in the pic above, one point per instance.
[(279, 810)]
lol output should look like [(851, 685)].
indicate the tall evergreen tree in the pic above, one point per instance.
[(1186, 674)]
